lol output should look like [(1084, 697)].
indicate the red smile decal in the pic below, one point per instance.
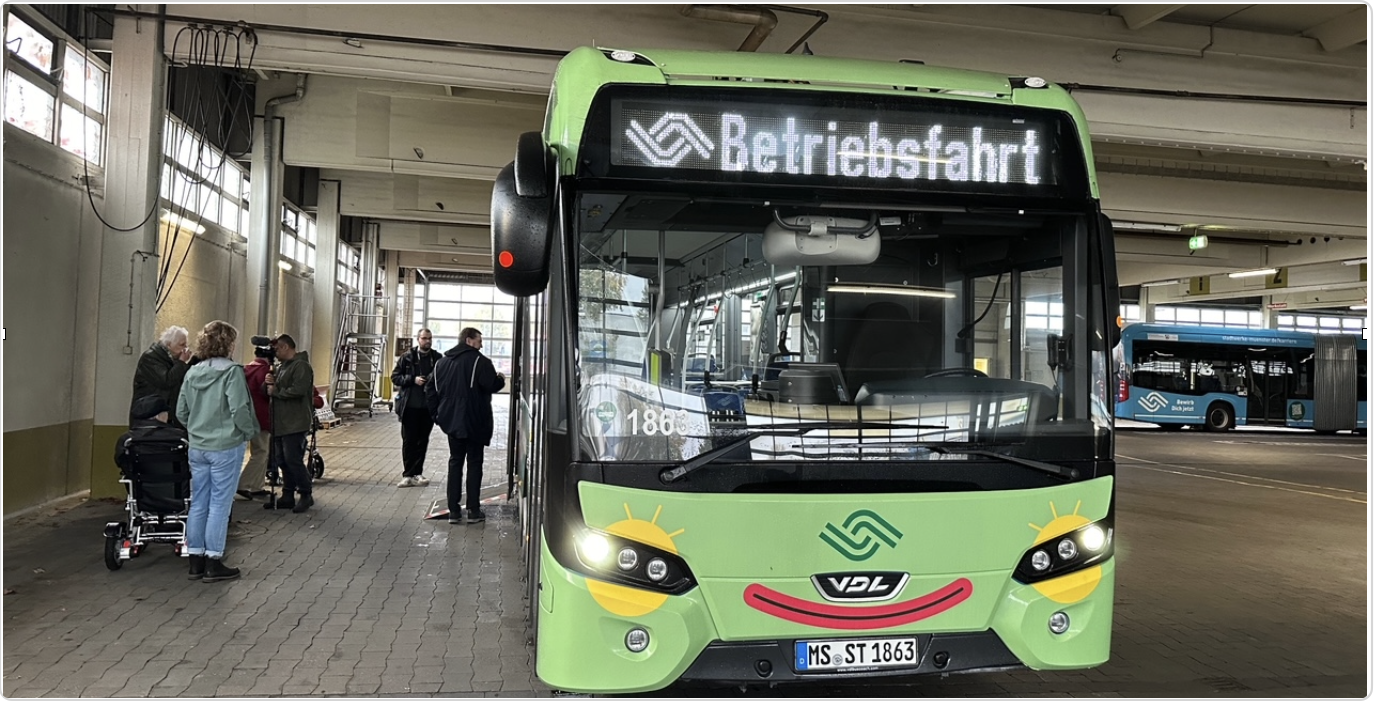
[(828, 616)]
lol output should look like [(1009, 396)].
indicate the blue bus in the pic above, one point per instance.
[(1216, 378)]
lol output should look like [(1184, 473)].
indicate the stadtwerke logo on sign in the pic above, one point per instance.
[(861, 535)]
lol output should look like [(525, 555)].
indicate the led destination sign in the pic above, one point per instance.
[(931, 148)]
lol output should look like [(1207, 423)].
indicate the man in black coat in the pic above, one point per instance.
[(413, 370), (162, 368), (459, 397)]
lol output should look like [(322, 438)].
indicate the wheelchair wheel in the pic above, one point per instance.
[(112, 553), (317, 465)]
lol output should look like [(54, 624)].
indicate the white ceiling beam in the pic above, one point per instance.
[(1340, 32), (1138, 16)]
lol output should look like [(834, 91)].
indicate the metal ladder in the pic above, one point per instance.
[(359, 354)]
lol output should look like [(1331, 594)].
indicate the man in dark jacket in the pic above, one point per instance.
[(413, 370), (292, 389), (459, 397), (162, 368)]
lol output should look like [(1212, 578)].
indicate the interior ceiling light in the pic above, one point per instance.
[(874, 289), (1147, 226), (1252, 274), (1160, 283), (1355, 262)]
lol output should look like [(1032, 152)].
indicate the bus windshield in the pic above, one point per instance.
[(881, 333)]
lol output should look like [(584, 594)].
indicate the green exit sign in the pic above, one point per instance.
[(1197, 242)]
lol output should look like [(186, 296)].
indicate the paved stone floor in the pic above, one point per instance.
[(360, 596), (1242, 572)]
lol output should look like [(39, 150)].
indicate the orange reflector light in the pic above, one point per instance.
[(506, 259)]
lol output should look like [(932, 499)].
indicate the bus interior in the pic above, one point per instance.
[(944, 324)]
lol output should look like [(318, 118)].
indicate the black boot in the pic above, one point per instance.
[(215, 571), (304, 503), (197, 567), (287, 500)]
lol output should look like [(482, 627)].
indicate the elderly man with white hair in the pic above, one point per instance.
[(162, 368)]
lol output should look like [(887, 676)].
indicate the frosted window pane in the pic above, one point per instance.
[(28, 44), (28, 106)]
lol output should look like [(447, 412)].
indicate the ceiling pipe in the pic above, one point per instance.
[(764, 21)]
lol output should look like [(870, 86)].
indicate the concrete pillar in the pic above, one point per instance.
[(1267, 317), (128, 266), (1147, 308), (324, 331)]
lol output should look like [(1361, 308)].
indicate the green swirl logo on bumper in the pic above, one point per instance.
[(861, 535)]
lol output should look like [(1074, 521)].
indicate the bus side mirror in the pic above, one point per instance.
[(532, 166), (520, 237), (1110, 283)]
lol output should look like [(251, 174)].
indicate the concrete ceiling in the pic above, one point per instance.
[(1337, 27), (414, 119)]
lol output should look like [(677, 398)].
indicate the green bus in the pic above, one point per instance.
[(811, 377)]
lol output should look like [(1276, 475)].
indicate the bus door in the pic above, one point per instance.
[(1271, 377)]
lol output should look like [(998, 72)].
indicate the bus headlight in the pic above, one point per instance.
[(620, 560), (657, 570), (1093, 538), (595, 548), (1067, 549), (1081, 548)]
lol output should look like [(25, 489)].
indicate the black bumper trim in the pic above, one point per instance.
[(744, 662)]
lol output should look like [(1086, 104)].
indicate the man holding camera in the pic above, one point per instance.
[(413, 370), (291, 387)]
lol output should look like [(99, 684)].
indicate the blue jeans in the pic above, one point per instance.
[(214, 476)]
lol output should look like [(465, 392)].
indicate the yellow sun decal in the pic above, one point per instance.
[(1073, 587), (633, 601)]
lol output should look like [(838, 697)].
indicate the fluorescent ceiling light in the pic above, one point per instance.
[(1355, 262), (1359, 308), (284, 265), (1160, 283), (182, 223), (1252, 274), (1147, 226), (872, 289)]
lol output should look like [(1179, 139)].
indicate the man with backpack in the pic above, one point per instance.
[(459, 398)]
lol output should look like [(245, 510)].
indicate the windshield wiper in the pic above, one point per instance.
[(672, 474), (1055, 470)]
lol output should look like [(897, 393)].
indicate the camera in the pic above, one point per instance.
[(264, 348)]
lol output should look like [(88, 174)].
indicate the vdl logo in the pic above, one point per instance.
[(862, 533), (1154, 402), (671, 138)]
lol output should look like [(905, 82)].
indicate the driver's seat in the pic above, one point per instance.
[(888, 345)]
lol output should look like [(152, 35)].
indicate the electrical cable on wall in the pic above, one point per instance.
[(209, 53), (207, 58)]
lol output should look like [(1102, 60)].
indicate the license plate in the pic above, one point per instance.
[(855, 655)]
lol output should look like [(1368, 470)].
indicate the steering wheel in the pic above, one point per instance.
[(947, 372)]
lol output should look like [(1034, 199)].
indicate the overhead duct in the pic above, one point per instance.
[(764, 21)]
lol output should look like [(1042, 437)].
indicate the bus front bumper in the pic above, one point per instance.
[(582, 646)]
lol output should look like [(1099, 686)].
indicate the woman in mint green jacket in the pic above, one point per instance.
[(217, 412)]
